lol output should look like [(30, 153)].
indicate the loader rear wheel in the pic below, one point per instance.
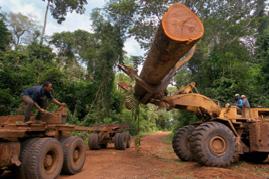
[(121, 141), (181, 143), (43, 159), (74, 155), (213, 144), (94, 142), (255, 157)]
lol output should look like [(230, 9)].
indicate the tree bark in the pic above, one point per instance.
[(45, 23)]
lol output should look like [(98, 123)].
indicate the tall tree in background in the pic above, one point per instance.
[(262, 48), (24, 29), (59, 10), (109, 45)]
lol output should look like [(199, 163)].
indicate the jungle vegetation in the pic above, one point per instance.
[(232, 57)]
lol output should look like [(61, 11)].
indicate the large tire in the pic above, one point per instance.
[(93, 141), (181, 143), (255, 157), (43, 159), (128, 138), (213, 144), (74, 155), (121, 141), (26, 146)]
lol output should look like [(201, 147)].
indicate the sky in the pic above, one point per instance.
[(36, 9)]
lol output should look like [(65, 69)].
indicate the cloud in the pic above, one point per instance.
[(132, 47), (73, 22)]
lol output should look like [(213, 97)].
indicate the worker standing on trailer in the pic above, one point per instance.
[(37, 96), (245, 107)]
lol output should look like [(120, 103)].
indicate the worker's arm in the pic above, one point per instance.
[(55, 101), (39, 108)]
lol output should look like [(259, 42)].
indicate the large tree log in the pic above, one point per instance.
[(178, 32)]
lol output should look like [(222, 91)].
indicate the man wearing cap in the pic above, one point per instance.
[(245, 107), (37, 96), (238, 101)]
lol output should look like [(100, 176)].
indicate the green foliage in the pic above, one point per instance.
[(184, 118), (59, 8), (4, 35)]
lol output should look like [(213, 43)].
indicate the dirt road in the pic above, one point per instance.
[(157, 160)]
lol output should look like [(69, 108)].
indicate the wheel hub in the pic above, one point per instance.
[(76, 154), (48, 161), (218, 145)]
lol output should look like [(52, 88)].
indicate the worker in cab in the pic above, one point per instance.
[(37, 96), (245, 107)]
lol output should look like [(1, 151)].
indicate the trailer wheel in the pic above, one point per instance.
[(74, 155), (255, 157), (121, 141), (26, 145), (93, 141), (43, 159), (181, 143), (213, 144), (128, 138)]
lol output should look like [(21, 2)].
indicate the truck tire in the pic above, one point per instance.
[(120, 141), (255, 157), (93, 141), (43, 159), (74, 155), (26, 145), (213, 144), (128, 138), (181, 143)]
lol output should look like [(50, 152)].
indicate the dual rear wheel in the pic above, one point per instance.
[(44, 158), (121, 141)]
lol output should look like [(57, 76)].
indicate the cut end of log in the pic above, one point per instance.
[(181, 24)]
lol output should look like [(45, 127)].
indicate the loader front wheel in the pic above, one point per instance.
[(181, 143), (213, 144), (74, 155)]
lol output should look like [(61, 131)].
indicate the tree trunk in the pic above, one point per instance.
[(178, 32), (45, 24)]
